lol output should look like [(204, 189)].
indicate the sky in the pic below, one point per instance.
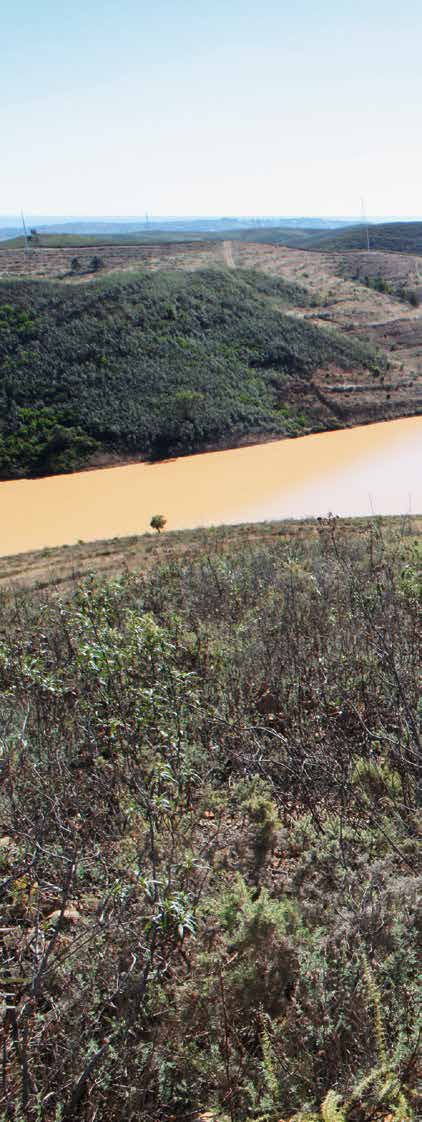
[(225, 107)]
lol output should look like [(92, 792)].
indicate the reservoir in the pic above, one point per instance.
[(373, 469)]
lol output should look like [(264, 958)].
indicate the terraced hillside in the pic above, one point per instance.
[(335, 285), (56, 263)]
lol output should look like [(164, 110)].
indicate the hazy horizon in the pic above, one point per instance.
[(223, 217)]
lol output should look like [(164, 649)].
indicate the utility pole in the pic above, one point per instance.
[(25, 232), (365, 222)]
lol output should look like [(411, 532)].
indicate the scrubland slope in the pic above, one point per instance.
[(159, 364), (210, 812)]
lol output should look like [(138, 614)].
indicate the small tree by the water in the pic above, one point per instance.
[(158, 522)]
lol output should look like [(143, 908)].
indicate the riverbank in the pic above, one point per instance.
[(157, 365), (63, 567), (374, 469)]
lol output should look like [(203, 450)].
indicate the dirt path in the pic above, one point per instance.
[(228, 255)]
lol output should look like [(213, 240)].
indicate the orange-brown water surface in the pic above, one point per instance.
[(371, 469)]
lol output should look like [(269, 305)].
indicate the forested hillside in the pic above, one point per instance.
[(210, 807), (155, 365)]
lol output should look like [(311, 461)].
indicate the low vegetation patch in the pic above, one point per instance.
[(209, 806)]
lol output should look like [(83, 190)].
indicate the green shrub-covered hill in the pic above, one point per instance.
[(154, 365)]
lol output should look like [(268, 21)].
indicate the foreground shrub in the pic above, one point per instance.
[(209, 856)]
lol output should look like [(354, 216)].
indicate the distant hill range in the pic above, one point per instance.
[(389, 237), (304, 232), (11, 226)]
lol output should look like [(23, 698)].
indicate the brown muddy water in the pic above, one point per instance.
[(371, 469)]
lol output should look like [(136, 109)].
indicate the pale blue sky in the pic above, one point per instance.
[(187, 107)]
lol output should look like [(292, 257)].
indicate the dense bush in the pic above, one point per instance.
[(209, 808), (411, 295), (379, 284), (153, 365)]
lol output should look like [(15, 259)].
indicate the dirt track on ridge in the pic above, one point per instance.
[(228, 255)]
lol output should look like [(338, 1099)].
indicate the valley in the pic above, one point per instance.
[(210, 562), (211, 733), (123, 363)]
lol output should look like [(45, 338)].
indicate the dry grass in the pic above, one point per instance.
[(66, 565)]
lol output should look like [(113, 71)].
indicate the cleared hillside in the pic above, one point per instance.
[(159, 364)]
